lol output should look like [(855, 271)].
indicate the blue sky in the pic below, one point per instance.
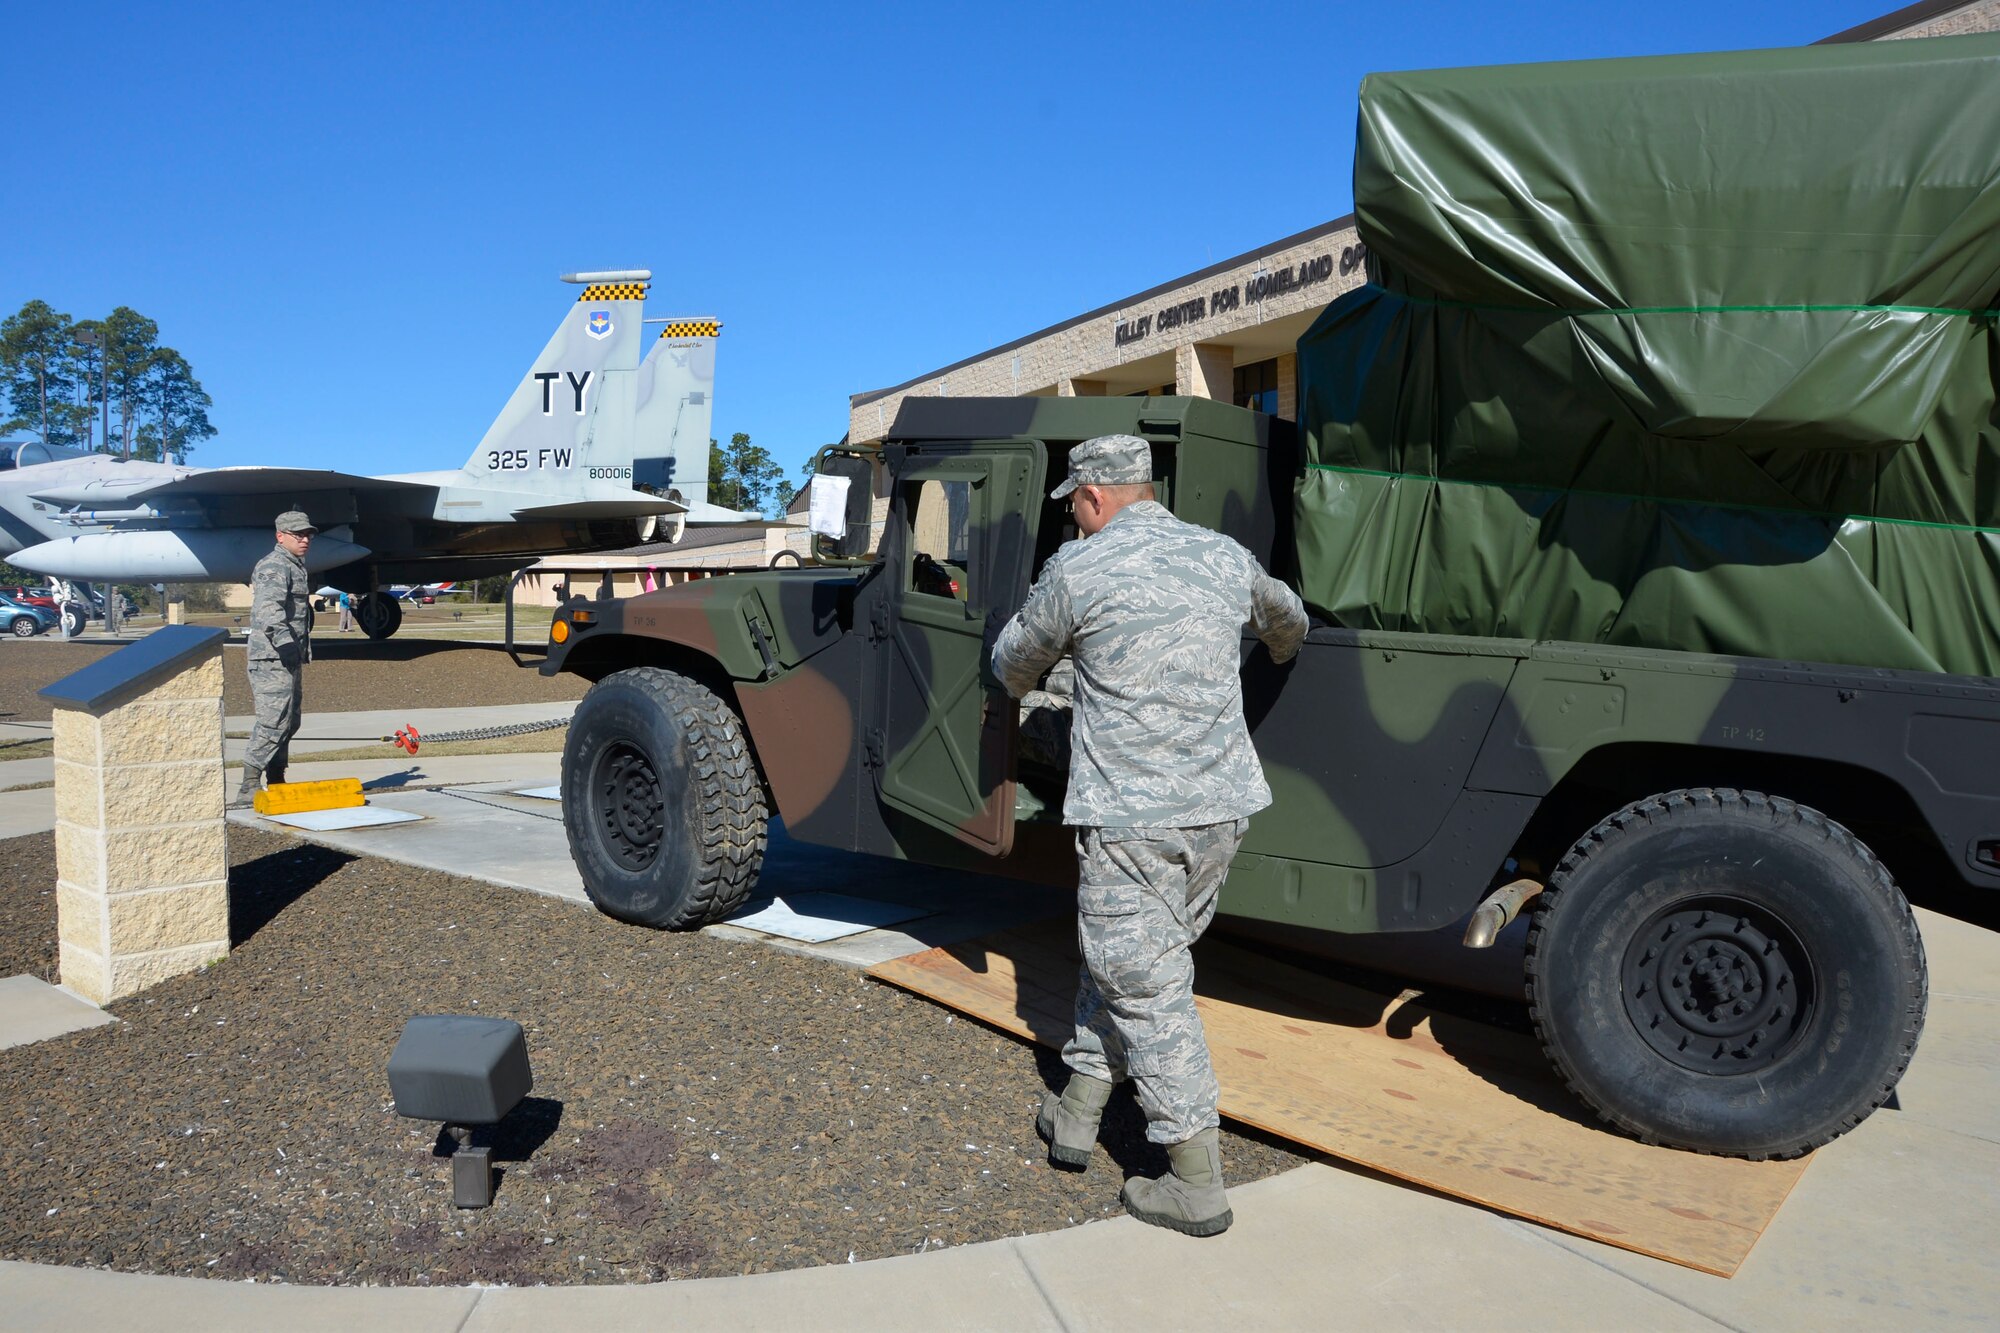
[(351, 218)]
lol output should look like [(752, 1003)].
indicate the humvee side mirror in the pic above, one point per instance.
[(841, 511)]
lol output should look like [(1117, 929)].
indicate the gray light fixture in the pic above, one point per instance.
[(466, 1071)]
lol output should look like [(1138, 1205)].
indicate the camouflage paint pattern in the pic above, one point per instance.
[(1144, 897), (1405, 768)]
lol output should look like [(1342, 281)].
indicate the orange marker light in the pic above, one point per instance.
[(559, 632)]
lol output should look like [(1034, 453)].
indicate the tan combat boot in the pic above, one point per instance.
[(1189, 1198), (1068, 1124)]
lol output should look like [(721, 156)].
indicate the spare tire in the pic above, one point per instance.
[(1728, 972)]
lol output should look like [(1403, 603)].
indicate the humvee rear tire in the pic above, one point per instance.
[(661, 800), (1727, 972)]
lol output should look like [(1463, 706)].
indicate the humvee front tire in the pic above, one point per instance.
[(661, 801), (1727, 972)]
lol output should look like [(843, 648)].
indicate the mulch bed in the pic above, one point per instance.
[(28, 906), (700, 1107), (347, 674)]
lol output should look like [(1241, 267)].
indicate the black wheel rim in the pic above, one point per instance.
[(1718, 985), (630, 810)]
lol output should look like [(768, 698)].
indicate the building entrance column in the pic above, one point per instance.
[(1204, 370)]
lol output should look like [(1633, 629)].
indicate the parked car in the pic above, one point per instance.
[(31, 596), (24, 620)]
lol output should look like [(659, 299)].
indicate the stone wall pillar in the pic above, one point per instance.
[(1073, 388), (1288, 386), (142, 871), (1205, 370)]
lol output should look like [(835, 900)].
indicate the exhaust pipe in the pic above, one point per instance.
[(1501, 906)]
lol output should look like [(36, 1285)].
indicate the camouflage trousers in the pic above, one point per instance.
[(1145, 896), (276, 693)]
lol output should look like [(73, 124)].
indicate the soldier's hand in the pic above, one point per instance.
[(288, 656)]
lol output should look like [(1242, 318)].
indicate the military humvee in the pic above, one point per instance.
[(1719, 956)]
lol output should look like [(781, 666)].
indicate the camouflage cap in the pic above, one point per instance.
[(295, 520), (1108, 460)]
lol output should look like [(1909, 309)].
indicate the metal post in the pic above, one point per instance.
[(471, 1170), (512, 584)]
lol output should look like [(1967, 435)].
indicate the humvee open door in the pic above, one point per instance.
[(956, 554)]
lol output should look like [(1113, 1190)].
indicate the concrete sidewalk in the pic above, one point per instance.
[(318, 733), (33, 811), (473, 824)]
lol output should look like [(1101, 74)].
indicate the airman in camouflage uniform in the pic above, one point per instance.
[(280, 646), (1162, 781)]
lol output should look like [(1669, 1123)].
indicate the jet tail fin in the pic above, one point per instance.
[(676, 398), (571, 417)]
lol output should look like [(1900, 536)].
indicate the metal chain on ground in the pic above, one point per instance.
[(458, 794), (495, 733), (469, 734)]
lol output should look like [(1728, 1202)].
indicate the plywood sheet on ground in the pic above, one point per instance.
[(1383, 1079)]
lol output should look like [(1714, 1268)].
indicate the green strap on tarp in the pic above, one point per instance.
[(1582, 311), (1773, 510)]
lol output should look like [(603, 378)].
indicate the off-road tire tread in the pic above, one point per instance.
[(1778, 810), (734, 820)]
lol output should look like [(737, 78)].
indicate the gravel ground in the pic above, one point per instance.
[(28, 906), (347, 674), (700, 1108)]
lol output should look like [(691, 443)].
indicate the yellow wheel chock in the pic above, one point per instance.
[(292, 798)]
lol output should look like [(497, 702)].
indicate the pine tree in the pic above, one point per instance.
[(38, 369), (176, 406), (745, 476), (131, 349), (63, 377)]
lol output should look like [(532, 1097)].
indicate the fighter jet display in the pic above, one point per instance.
[(594, 449)]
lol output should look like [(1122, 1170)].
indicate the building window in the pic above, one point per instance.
[(1257, 387)]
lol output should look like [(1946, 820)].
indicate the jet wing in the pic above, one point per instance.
[(268, 481), (639, 505)]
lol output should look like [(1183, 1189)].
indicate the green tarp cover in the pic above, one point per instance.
[(1694, 352)]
